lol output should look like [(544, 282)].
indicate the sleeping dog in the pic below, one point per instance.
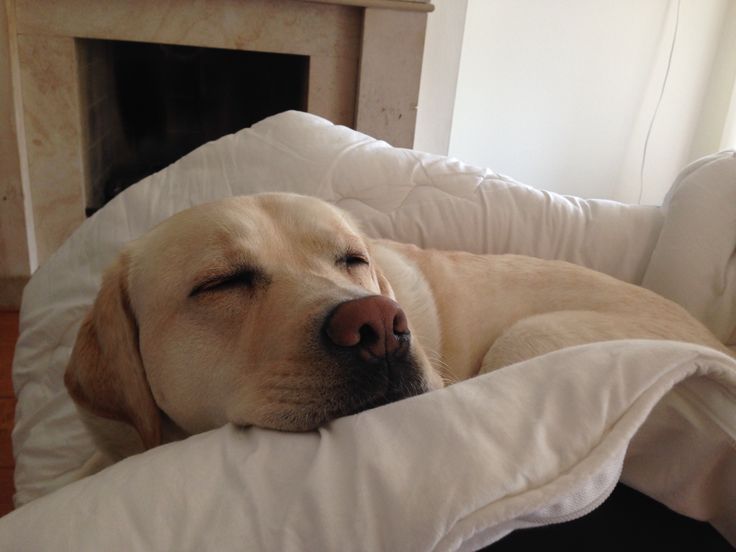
[(276, 311)]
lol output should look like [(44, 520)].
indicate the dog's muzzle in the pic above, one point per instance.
[(369, 339)]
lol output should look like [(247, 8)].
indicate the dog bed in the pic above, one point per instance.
[(537, 443)]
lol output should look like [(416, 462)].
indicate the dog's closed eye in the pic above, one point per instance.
[(243, 277), (353, 259)]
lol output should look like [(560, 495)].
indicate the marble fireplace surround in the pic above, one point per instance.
[(364, 69)]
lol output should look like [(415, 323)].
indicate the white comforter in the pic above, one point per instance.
[(536, 443)]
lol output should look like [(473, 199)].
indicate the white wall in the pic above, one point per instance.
[(715, 132), (559, 94), (547, 91), (440, 66), (682, 108)]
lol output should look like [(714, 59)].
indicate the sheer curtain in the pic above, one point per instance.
[(588, 97)]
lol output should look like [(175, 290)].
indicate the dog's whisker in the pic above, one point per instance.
[(446, 373), (434, 357)]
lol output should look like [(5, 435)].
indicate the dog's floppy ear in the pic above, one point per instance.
[(105, 373)]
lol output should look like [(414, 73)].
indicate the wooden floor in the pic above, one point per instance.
[(8, 337)]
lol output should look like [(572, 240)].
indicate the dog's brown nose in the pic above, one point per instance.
[(375, 325)]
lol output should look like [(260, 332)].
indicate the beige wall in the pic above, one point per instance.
[(14, 261)]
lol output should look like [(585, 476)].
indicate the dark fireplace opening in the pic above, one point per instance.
[(149, 104)]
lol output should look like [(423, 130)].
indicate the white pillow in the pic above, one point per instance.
[(693, 262)]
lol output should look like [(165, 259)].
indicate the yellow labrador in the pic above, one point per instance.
[(275, 311)]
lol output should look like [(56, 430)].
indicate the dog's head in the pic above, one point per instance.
[(266, 310)]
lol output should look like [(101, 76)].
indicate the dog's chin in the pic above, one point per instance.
[(299, 418)]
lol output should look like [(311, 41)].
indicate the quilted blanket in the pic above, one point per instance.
[(536, 443)]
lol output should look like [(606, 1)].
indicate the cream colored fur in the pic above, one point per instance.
[(174, 345)]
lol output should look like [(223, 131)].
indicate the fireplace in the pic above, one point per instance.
[(104, 93), (146, 105)]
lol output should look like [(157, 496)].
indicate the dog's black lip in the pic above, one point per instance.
[(347, 404), (395, 389)]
